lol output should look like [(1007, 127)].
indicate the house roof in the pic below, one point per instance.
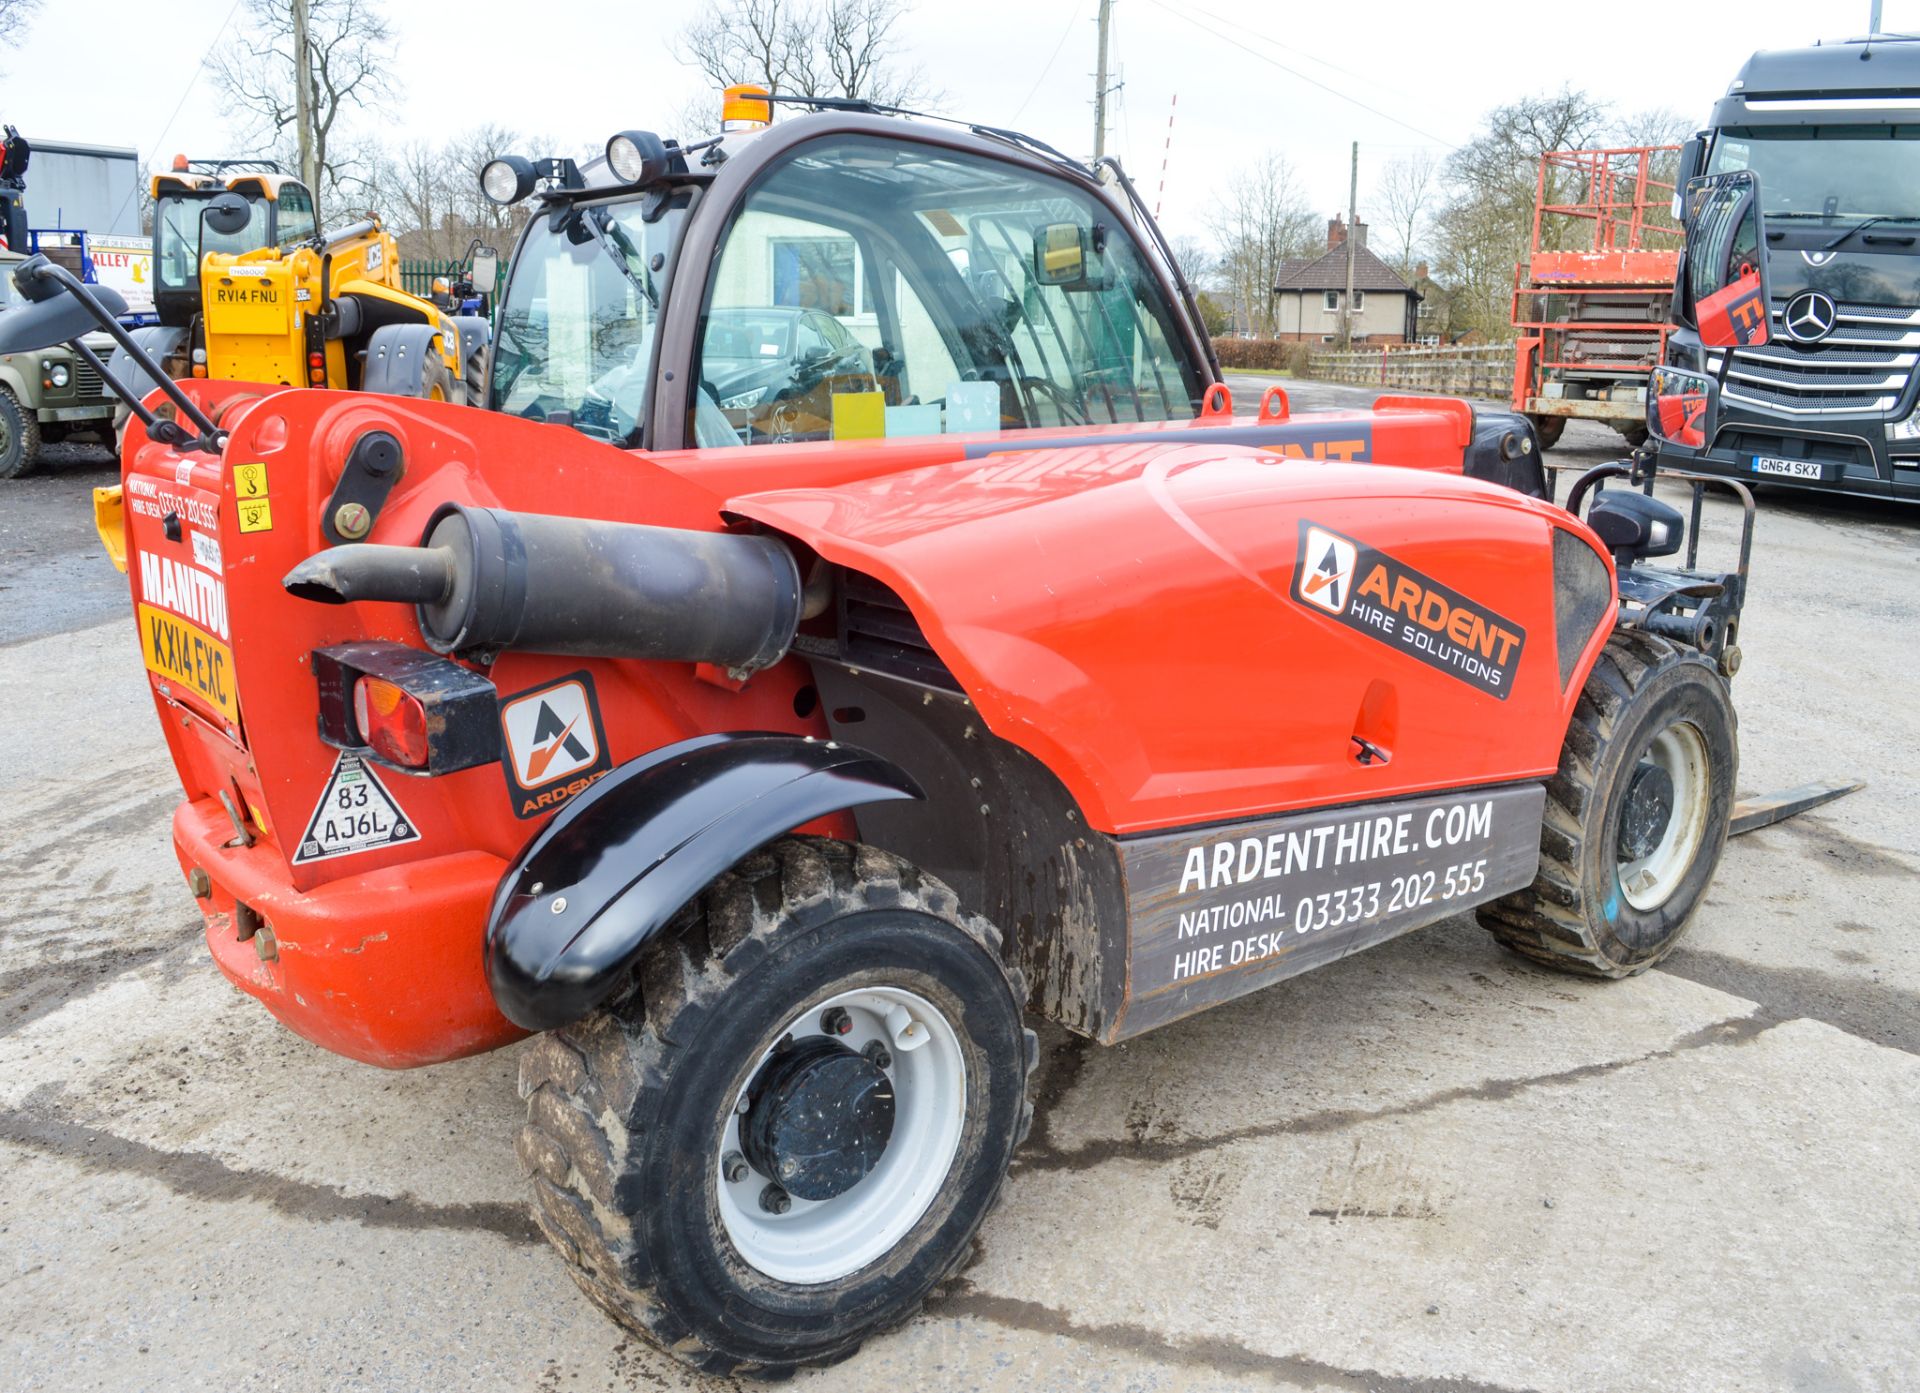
[(1329, 272)]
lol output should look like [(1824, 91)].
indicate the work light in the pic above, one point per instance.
[(637, 157), (507, 179)]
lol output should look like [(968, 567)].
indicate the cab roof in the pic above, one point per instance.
[(1851, 82)]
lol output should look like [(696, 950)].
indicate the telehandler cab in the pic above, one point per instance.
[(776, 743)]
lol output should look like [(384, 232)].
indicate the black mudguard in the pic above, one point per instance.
[(588, 894)]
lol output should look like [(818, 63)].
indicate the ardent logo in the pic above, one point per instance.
[(1810, 316), (1326, 580)]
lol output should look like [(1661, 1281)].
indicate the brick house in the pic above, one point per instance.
[(1308, 295)]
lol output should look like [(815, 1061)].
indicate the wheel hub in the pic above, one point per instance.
[(1646, 811), (818, 1119)]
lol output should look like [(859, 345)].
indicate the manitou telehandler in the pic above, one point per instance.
[(776, 750)]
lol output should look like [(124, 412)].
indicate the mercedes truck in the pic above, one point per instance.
[(1828, 402)]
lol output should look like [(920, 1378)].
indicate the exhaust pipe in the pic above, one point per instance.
[(487, 578)]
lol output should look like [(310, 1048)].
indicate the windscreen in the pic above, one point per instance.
[(1845, 172), (574, 341), (181, 238)]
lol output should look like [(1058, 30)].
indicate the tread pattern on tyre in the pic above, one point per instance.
[(29, 432), (1544, 922), (591, 1087)]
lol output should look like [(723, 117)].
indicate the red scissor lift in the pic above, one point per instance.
[(1590, 305)]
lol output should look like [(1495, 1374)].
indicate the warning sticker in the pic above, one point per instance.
[(256, 515), (250, 480), (355, 813), (555, 744), (1386, 599)]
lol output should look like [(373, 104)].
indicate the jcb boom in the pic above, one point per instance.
[(861, 621)]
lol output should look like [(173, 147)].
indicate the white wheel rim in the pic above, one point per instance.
[(1650, 881), (819, 1241)]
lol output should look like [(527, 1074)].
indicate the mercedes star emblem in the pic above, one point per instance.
[(1810, 316)]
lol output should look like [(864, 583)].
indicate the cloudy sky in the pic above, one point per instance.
[(1301, 79)]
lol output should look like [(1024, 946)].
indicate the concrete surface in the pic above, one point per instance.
[(1430, 1167)]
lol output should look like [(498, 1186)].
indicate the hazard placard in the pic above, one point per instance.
[(355, 813), (555, 745)]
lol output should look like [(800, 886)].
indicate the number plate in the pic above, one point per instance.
[(1788, 468), (182, 656), (1218, 913)]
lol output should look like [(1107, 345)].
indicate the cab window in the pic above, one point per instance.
[(870, 287), (296, 215)]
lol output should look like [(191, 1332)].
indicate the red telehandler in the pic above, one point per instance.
[(859, 623)]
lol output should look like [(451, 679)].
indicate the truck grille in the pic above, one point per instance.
[(86, 381), (1860, 369)]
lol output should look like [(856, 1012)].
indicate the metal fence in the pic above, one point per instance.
[(416, 277), (1480, 370)]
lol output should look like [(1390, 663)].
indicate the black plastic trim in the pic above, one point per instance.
[(462, 728), (585, 897)]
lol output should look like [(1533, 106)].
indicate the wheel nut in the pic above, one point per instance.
[(835, 1020), (775, 1200), (734, 1167), (878, 1055)]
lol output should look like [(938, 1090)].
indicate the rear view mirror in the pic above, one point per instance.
[(1725, 272), (228, 214), (1680, 408), (484, 270), (1060, 254)]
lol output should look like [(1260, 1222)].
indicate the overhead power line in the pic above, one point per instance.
[(1351, 100), (1052, 58)]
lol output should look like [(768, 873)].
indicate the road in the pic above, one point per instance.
[(1429, 1167)]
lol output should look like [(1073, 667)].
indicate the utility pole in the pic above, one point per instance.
[(303, 101), (1100, 84), (1353, 230)]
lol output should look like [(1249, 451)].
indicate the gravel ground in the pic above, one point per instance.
[(1429, 1167)]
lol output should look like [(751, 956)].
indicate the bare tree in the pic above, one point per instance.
[(430, 194), (1486, 225), (1261, 221), (351, 61), (14, 18), (1405, 197), (811, 48)]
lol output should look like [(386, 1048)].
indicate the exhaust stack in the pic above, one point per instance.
[(485, 578)]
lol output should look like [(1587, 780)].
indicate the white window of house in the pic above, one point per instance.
[(1359, 301), (819, 273), (1332, 298)]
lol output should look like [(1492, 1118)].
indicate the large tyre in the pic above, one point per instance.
[(19, 437), (1636, 816), (1548, 430), (1635, 436), (660, 1130)]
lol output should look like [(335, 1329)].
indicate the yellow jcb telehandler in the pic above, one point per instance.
[(247, 288)]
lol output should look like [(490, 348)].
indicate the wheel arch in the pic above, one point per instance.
[(583, 900)]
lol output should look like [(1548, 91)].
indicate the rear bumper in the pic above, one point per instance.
[(386, 968)]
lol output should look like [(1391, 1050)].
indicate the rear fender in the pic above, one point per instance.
[(397, 358), (160, 342), (582, 901)]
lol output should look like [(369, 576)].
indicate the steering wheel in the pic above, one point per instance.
[(1060, 398)]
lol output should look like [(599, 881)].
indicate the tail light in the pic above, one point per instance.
[(391, 722), (406, 709)]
